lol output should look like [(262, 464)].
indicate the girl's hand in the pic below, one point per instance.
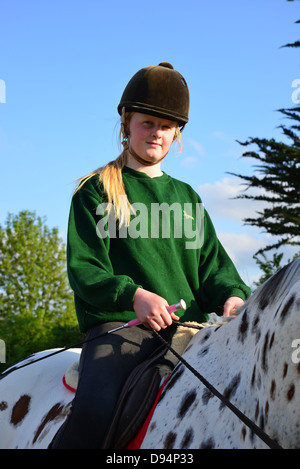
[(151, 309), (231, 305)]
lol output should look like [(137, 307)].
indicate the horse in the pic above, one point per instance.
[(253, 361)]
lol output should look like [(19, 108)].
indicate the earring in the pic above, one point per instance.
[(125, 139), (124, 130), (125, 143)]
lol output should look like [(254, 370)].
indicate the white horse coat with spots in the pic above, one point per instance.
[(249, 360), (34, 402)]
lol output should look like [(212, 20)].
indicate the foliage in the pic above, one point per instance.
[(36, 303), (269, 267)]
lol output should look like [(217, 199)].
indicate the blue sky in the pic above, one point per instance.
[(65, 64)]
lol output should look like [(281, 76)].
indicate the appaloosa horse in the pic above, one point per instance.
[(253, 361)]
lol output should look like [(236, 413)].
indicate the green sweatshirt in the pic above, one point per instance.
[(170, 248)]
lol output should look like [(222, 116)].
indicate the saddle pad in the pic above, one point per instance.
[(65, 383), (70, 378)]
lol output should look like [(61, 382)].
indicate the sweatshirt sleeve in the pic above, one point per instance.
[(90, 271), (219, 279)]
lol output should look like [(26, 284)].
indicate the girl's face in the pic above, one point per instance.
[(151, 137)]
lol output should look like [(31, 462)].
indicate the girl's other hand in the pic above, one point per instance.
[(231, 305)]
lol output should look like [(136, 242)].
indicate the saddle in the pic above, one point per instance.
[(140, 390), (135, 401)]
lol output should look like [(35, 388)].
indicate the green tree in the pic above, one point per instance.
[(269, 266), (36, 303)]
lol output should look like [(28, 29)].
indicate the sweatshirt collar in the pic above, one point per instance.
[(143, 176)]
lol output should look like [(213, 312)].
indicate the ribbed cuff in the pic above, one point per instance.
[(126, 298)]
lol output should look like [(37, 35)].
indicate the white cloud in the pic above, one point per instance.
[(240, 241), (219, 199), (240, 246)]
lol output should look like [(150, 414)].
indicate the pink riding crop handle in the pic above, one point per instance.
[(180, 305), (171, 309)]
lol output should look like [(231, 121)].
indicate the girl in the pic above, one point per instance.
[(138, 240)]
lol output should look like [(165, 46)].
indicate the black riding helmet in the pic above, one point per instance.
[(158, 90)]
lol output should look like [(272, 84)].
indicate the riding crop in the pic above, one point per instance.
[(135, 322)]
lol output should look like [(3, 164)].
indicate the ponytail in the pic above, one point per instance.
[(111, 178)]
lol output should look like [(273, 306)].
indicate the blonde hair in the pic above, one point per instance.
[(111, 179)]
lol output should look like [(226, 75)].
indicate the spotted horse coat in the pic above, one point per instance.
[(34, 402), (250, 360)]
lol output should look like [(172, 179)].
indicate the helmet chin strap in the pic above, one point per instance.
[(141, 160)]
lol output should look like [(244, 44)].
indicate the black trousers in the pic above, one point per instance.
[(105, 364)]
